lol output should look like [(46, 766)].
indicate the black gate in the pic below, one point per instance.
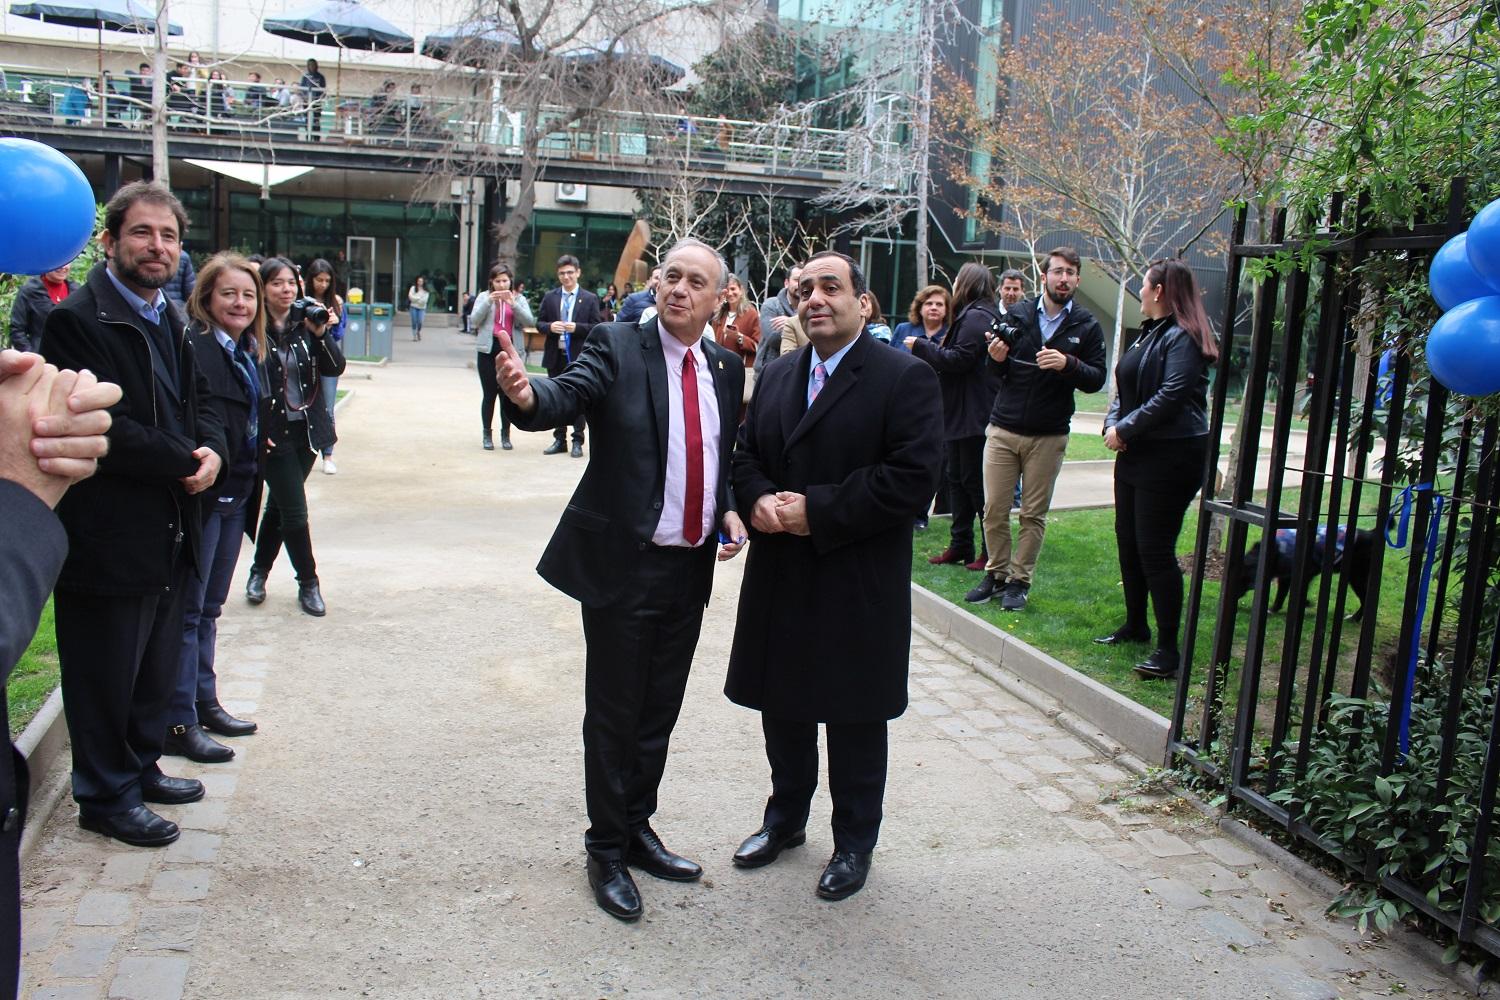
[(1373, 739)]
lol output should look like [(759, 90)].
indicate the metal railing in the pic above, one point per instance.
[(266, 111), (1362, 719)]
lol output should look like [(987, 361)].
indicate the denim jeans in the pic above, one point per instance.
[(222, 531), (417, 317), (328, 387)]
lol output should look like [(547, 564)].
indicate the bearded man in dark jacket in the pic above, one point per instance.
[(133, 529), (1055, 348)]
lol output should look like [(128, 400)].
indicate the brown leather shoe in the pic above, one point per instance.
[(947, 557), (977, 565)]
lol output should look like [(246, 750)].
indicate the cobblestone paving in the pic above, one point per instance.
[(103, 920), (1241, 902)]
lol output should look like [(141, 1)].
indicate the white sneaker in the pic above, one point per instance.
[(329, 468)]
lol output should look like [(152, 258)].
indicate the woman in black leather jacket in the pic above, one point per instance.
[(968, 392), (1158, 425), (300, 425)]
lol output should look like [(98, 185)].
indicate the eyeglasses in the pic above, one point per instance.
[(1068, 272)]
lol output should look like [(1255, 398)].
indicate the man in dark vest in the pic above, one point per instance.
[(837, 456), (132, 529)]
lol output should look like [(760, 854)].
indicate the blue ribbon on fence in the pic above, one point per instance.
[(1401, 527)]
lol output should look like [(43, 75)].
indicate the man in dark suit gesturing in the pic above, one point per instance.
[(567, 315), (636, 545), (837, 457)]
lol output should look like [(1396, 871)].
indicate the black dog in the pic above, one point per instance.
[(1353, 553)]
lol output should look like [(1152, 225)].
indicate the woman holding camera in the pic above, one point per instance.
[(499, 310), (1158, 427), (960, 361), (322, 284), (298, 425), (228, 334)]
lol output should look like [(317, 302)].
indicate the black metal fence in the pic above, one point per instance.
[(1361, 720)]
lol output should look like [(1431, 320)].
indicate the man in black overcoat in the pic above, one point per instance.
[(635, 545), (837, 457), (133, 529), (35, 470), (566, 316)]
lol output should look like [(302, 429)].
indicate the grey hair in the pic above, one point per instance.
[(688, 243), (1011, 274)]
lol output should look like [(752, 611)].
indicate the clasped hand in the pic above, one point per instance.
[(780, 512), (52, 424)]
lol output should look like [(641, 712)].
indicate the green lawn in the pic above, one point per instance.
[(1076, 596), (1087, 448), (34, 677)]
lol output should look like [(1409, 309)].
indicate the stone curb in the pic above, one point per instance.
[(348, 363), (44, 743), (1137, 729)]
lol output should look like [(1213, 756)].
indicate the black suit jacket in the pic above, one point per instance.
[(866, 455), (228, 395), (620, 381), (586, 315), (127, 523)]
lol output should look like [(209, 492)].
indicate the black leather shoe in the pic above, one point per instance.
[(170, 791), (1160, 665), (1122, 635), (255, 587), (311, 599), (988, 588), (845, 875), (614, 889), (765, 845), (505, 444), (555, 448), (138, 827), (211, 716), (194, 744), (577, 451), (489, 441), (650, 855)]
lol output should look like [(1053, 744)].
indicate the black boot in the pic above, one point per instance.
[(1160, 665), (310, 598), (505, 439), (489, 441), (255, 587)]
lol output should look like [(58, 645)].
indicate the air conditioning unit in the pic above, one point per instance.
[(569, 192)]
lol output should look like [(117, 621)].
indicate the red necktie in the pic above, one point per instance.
[(692, 497)]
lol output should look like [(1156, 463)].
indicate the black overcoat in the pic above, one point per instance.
[(127, 523), (824, 626), (620, 382), (959, 359)]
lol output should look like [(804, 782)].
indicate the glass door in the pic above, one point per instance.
[(361, 253)]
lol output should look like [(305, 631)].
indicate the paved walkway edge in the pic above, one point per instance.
[(44, 742), (1057, 690), (1137, 729)]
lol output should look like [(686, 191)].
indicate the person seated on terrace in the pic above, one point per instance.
[(256, 96)]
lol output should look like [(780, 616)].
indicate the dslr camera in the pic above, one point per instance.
[(310, 309), (1004, 331)]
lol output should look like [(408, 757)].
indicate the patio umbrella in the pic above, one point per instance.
[(343, 24), (664, 71), (469, 43), (101, 15)]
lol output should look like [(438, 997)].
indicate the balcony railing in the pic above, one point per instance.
[(471, 129)]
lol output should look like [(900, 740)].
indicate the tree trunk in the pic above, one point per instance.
[(1114, 354), (518, 216), (160, 171), (924, 139)]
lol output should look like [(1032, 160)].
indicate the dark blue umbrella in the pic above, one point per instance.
[(472, 44), (341, 23), (102, 16), (663, 70)]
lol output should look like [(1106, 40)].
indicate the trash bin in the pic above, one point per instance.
[(356, 329), (382, 329)]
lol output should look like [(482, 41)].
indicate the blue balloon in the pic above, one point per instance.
[(47, 207), (1484, 243), (1453, 279), (1463, 349)]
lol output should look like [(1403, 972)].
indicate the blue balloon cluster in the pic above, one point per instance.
[(1463, 349), (47, 207)]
